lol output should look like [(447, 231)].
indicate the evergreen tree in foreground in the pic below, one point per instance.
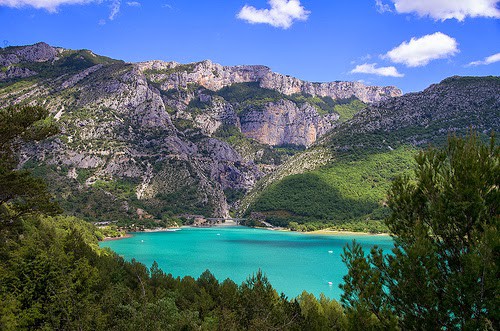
[(443, 271)]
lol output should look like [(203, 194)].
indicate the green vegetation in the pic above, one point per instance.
[(179, 68), (21, 194), (367, 226), (261, 154), (443, 270), (347, 190), (248, 92), (248, 96), (53, 275), (251, 95), (347, 110), (70, 62), (442, 273)]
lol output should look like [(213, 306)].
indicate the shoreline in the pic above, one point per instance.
[(127, 235), (323, 232), (326, 232)]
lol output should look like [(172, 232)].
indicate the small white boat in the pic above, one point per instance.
[(218, 234), (331, 252), (330, 283)]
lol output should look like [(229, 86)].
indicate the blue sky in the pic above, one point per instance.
[(407, 43)]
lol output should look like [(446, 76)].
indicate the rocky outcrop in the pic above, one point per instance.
[(39, 52), (172, 75), (454, 105), (212, 76), (15, 72), (335, 90), (284, 123)]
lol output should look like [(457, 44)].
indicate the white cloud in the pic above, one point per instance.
[(282, 13), (53, 5), (133, 4), (488, 60), (382, 7), (50, 5), (448, 9), (366, 57), (115, 9), (371, 68), (420, 51)]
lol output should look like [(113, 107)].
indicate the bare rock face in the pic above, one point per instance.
[(213, 76), (335, 90), (284, 123), (15, 72), (39, 52), (217, 114)]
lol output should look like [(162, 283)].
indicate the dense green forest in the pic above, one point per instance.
[(442, 273), (351, 190)]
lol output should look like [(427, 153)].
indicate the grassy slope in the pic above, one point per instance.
[(348, 189)]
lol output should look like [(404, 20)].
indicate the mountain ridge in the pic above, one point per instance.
[(382, 136), (159, 139)]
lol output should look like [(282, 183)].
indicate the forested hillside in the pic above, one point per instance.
[(54, 276), (372, 149)]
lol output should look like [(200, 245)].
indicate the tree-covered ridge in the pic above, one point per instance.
[(350, 189)]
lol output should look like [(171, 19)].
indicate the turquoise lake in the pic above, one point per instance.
[(293, 262)]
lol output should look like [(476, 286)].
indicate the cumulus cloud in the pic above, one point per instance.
[(371, 68), (50, 5), (282, 13), (448, 9), (382, 7), (488, 60), (133, 4), (419, 52)]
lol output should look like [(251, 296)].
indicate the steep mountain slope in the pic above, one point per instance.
[(368, 151), (156, 139)]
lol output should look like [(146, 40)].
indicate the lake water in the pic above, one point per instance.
[(293, 262)]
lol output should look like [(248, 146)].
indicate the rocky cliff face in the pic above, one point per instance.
[(284, 123), (335, 90), (163, 137), (172, 75)]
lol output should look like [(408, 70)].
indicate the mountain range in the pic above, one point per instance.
[(161, 139)]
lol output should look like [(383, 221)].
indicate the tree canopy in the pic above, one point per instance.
[(443, 271), (20, 193)]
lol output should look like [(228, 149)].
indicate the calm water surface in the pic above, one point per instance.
[(293, 262)]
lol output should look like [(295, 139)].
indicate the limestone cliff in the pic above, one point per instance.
[(163, 137), (283, 123), (172, 75)]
